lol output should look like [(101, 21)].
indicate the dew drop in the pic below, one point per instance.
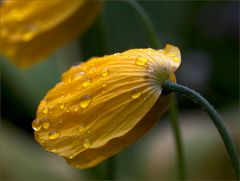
[(86, 82), (104, 85), (30, 32), (136, 94), (141, 61), (36, 125), (45, 124), (45, 110), (62, 106), (93, 70), (85, 101), (176, 59), (71, 157), (53, 135), (78, 76), (116, 54), (105, 72), (53, 150), (76, 109), (86, 143), (81, 128)]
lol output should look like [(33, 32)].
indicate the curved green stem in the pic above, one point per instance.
[(178, 139), (152, 33), (217, 120), (147, 23)]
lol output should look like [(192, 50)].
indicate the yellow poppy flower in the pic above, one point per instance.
[(105, 104), (31, 30)]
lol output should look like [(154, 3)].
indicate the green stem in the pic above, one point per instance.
[(152, 33), (178, 139), (147, 23), (217, 120), (101, 26)]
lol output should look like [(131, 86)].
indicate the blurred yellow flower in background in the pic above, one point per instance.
[(31, 30), (102, 106)]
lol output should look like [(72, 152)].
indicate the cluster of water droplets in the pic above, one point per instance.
[(85, 101)]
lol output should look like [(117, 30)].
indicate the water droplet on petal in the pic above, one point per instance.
[(93, 70), (105, 72), (45, 124), (85, 101), (136, 93), (78, 76), (53, 135), (104, 85), (116, 54), (30, 32), (176, 59), (141, 61), (62, 106), (45, 110), (36, 125), (53, 150), (81, 128), (86, 143), (86, 82), (76, 109)]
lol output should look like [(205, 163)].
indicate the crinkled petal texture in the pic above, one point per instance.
[(31, 30), (105, 104)]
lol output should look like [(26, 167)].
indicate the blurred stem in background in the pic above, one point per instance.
[(178, 138), (154, 41), (216, 118), (101, 26)]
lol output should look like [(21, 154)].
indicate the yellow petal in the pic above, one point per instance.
[(31, 30), (92, 157), (175, 55), (100, 102)]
